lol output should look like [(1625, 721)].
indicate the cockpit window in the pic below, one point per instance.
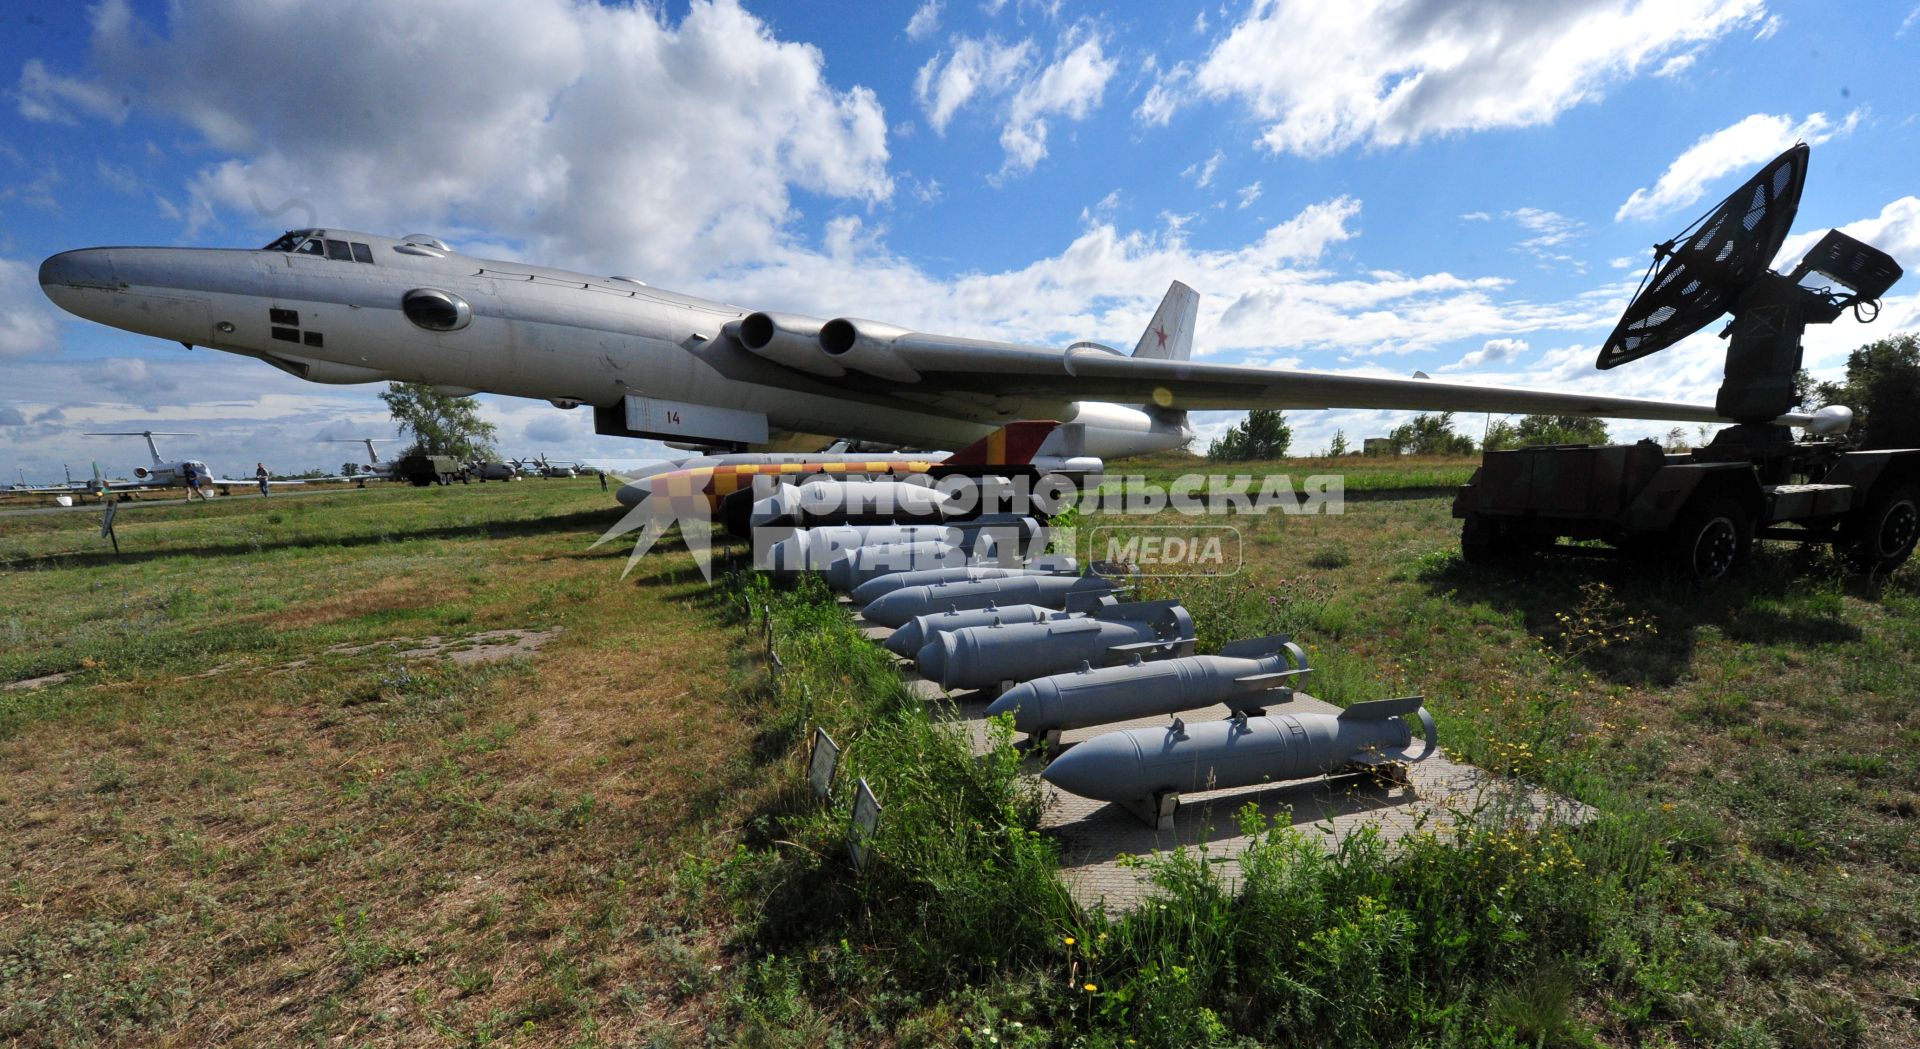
[(311, 242)]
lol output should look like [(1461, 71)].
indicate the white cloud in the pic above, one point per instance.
[(1747, 144), (1275, 298), (1248, 194), (984, 68), (1325, 77), (1772, 26), (1676, 65), (131, 379), (949, 81), (44, 96), (1165, 97), (600, 135), (27, 321), (1551, 232), (1102, 209), (1549, 227), (1201, 171), (925, 21), (1072, 87), (1492, 351), (558, 427)]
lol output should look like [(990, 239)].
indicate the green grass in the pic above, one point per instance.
[(229, 822)]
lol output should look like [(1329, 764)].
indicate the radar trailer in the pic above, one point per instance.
[(1703, 509)]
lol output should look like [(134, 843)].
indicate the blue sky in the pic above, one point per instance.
[(1465, 189)]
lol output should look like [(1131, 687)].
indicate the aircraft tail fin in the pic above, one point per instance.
[(1169, 336), (1014, 444)]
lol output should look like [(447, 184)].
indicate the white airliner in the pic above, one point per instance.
[(334, 306), (376, 469), (166, 473)]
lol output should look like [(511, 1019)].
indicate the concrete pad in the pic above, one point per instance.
[(1095, 837)]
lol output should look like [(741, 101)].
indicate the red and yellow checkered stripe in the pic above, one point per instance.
[(702, 487)]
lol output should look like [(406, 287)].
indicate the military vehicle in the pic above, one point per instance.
[(1703, 509), (423, 470)]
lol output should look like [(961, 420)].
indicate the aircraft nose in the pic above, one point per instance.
[(85, 268)]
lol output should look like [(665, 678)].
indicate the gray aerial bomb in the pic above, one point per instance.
[(914, 634), (790, 550), (872, 589), (1008, 538), (831, 502), (1146, 769), (862, 563), (895, 608), (1246, 676), (979, 656)]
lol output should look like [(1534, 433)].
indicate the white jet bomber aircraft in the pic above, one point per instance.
[(333, 306)]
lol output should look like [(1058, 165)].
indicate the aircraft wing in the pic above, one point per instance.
[(879, 358), (1092, 373)]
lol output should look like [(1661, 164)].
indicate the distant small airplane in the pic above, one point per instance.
[(335, 306), (545, 467), (172, 474), (378, 470), (66, 492)]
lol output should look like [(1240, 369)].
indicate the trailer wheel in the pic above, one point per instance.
[(1710, 539), (1479, 541), (1882, 538)]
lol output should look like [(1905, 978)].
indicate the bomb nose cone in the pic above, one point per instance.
[(633, 493), (906, 640), (1104, 768), (888, 609), (840, 574), (876, 588), (774, 509), (932, 659), (1018, 700)]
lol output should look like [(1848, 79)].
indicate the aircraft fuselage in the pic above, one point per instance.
[(341, 307)]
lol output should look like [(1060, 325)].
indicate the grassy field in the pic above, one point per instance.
[(236, 811)]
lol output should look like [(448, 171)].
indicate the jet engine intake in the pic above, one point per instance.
[(788, 339), (866, 346)]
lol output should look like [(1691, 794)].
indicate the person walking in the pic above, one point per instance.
[(260, 475), (194, 488)]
